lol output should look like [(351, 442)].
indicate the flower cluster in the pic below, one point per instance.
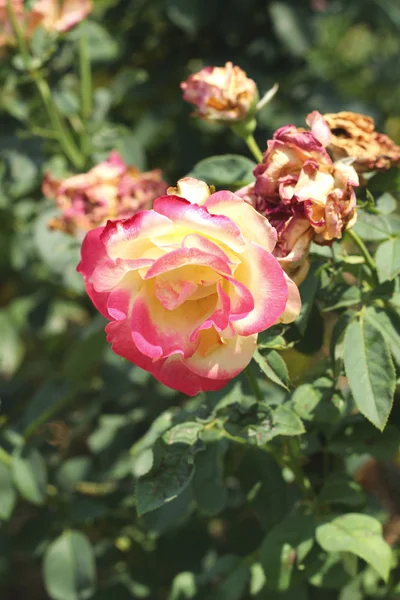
[(188, 285), (221, 93), (53, 15), (111, 190)]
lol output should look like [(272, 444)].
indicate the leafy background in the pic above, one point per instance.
[(215, 517)]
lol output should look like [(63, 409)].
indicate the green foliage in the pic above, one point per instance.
[(370, 371), (360, 535)]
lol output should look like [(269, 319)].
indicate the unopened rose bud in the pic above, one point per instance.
[(221, 93)]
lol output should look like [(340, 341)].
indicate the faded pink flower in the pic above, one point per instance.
[(186, 287), (56, 15), (221, 93), (111, 190), (53, 15)]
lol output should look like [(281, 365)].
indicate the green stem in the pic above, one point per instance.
[(64, 137), (86, 90), (253, 382), (363, 249), (254, 148)]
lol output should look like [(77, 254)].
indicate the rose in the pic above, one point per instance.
[(52, 15), (221, 93), (353, 135), (298, 176), (188, 285), (110, 190)]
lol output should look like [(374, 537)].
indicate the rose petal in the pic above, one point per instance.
[(171, 371), (253, 225), (198, 220), (262, 275)]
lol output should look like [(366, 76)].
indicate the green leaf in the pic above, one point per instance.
[(317, 402), (69, 568), (343, 296), (372, 227), (171, 473), (209, 490), (388, 325), (387, 259), (386, 203), (339, 488), (12, 348), (308, 291), (183, 586), (359, 534), (370, 371), (284, 548), (59, 251), (184, 433), (30, 475), (85, 355), (273, 371), (361, 437), (228, 170), (8, 494), (234, 584)]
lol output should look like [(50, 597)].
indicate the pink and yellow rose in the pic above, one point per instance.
[(111, 190), (221, 93), (188, 285)]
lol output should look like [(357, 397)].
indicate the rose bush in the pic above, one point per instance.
[(188, 286)]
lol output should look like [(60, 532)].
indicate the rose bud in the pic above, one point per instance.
[(221, 93)]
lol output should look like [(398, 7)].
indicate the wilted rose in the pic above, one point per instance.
[(221, 93), (56, 15), (298, 173), (188, 285), (111, 190), (353, 135), (53, 15)]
